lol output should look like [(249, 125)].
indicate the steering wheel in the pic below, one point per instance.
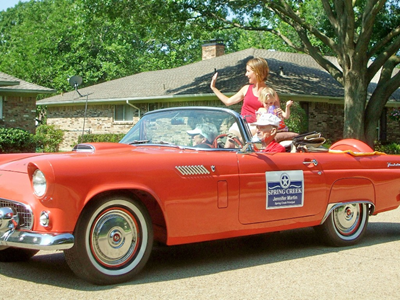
[(228, 136)]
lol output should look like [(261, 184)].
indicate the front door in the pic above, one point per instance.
[(279, 186)]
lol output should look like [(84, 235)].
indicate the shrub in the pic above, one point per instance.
[(95, 138), (395, 115), (297, 121), (48, 138), (389, 148), (15, 140)]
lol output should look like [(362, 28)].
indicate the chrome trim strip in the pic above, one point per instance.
[(193, 170), (36, 241), (333, 206)]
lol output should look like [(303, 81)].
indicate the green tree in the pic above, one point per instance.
[(47, 41), (33, 41), (363, 35)]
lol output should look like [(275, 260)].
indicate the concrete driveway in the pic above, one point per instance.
[(285, 265)]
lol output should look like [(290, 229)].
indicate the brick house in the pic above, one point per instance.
[(114, 106), (18, 102)]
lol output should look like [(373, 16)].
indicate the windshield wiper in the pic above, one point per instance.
[(139, 142), (162, 143), (167, 144)]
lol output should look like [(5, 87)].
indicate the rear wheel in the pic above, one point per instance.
[(345, 225), (12, 254), (113, 241)]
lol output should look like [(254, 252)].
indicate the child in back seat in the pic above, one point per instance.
[(270, 102)]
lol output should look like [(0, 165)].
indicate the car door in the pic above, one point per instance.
[(200, 195), (279, 186)]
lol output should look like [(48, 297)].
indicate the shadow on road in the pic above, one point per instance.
[(185, 261)]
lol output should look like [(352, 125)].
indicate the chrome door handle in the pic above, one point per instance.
[(314, 161)]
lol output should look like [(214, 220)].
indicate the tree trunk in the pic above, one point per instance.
[(355, 94), (387, 85), (373, 114), (371, 127)]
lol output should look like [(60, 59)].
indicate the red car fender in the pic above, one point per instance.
[(352, 189)]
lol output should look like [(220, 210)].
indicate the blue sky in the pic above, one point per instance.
[(4, 4)]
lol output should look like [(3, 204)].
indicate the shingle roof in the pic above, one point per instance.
[(9, 83), (290, 73)]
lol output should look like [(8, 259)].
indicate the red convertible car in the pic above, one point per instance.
[(171, 180)]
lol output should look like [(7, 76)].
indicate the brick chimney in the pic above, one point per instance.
[(212, 48)]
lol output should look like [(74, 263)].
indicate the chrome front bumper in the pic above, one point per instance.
[(10, 236)]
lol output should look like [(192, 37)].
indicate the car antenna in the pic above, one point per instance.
[(75, 81)]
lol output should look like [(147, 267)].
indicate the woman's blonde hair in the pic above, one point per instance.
[(266, 93), (260, 68)]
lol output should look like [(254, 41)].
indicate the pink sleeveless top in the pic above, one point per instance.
[(250, 106)]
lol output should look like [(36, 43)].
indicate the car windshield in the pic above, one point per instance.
[(188, 127)]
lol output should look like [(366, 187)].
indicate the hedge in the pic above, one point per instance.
[(95, 138), (15, 140)]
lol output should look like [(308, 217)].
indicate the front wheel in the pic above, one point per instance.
[(113, 241), (345, 225)]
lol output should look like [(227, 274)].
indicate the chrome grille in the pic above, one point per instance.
[(24, 213)]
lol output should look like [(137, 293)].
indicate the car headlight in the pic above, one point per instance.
[(39, 183)]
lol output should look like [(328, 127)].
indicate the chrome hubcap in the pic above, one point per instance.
[(347, 218), (114, 237)]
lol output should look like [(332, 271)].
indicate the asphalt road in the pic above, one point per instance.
[(285, 265)]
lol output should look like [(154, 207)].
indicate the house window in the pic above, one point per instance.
[(124, 113), (1, 108)]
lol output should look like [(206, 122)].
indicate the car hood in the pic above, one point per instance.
[(16, 161), (102, 151)]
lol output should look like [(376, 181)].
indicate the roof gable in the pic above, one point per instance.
[(10, 83)]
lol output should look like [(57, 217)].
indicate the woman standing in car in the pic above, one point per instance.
[(257, 71)]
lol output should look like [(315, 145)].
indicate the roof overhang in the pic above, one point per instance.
[(25, 91), (182, 98), (8, 83), (194, 98), (312, 98), (138, 100)]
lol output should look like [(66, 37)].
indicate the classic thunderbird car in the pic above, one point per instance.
[(104, 204)]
